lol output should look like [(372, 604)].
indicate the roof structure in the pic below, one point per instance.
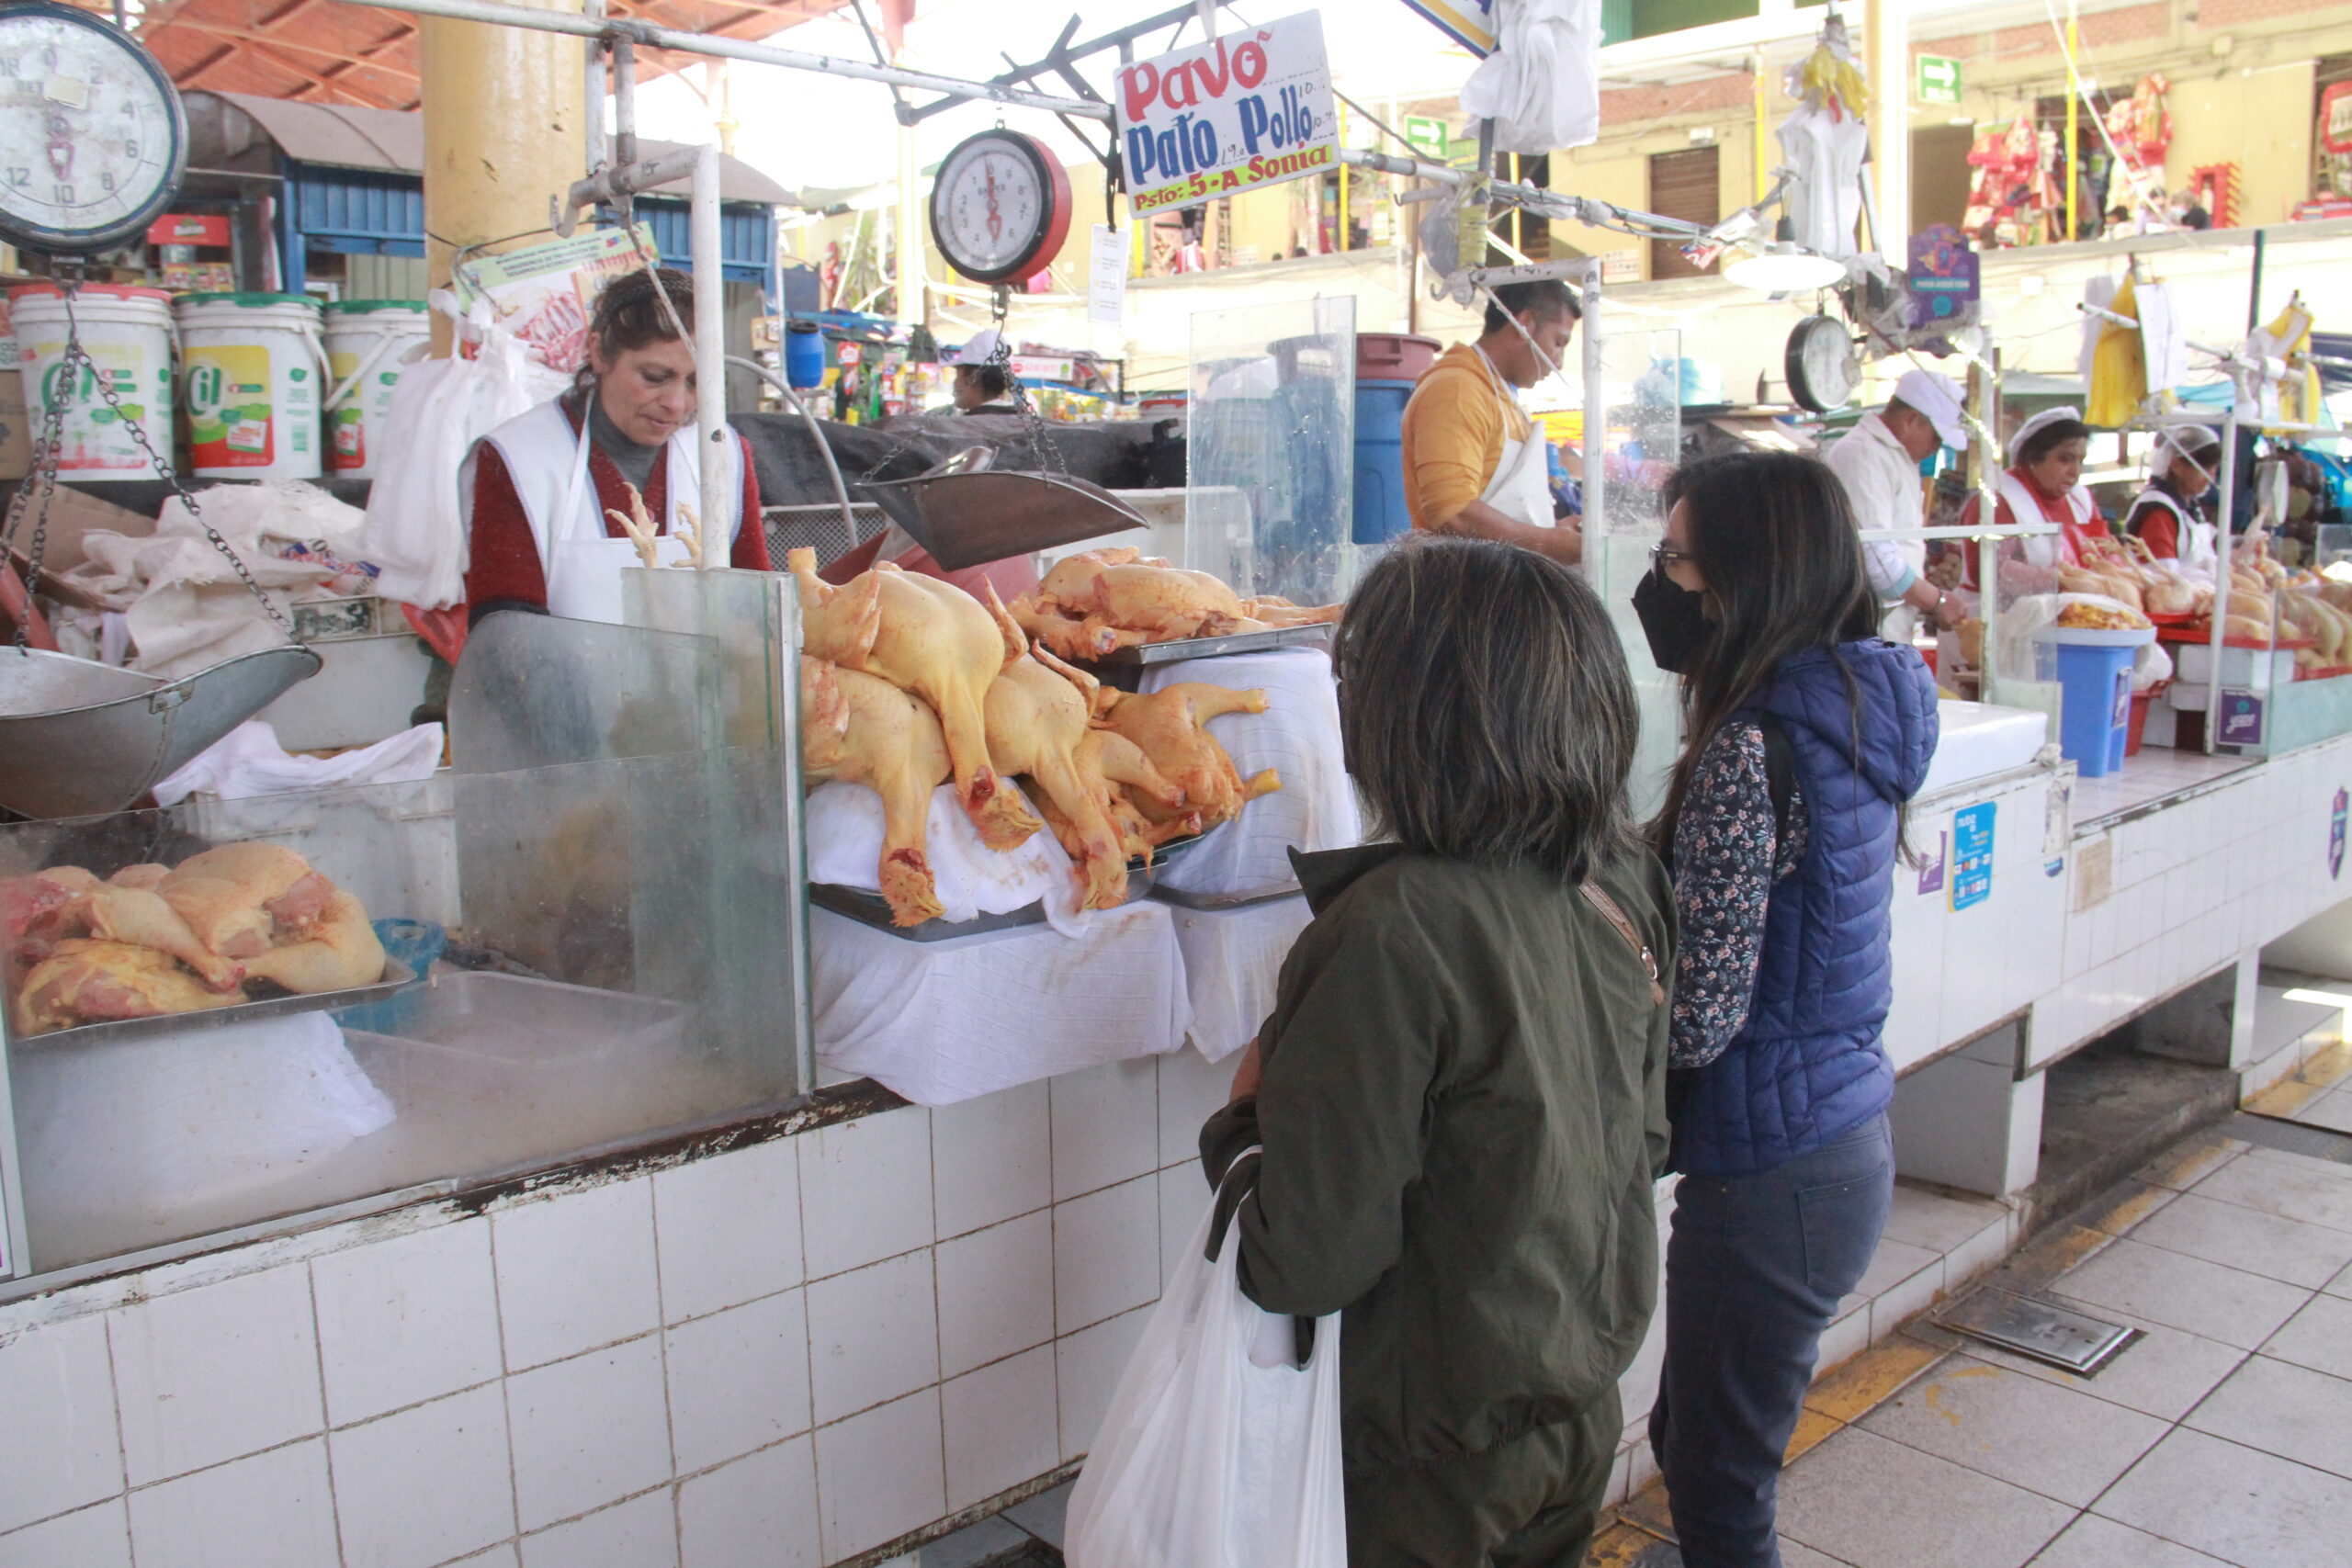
[(316, 52)]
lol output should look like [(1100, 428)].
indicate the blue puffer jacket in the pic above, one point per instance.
[(1809, 1067)]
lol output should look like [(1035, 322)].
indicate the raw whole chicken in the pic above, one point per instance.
[(87, 981), (861, 729), (342, 953), (241, 899), (1139, 835), (936, 641), (35, 906), (1166, 726), (1095, 603), (140, 918), (1039, 724)]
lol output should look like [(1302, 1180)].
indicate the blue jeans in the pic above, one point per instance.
[(1754, 1271)]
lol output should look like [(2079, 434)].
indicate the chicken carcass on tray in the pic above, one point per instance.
[(85, 980), (1093, 603), (1166, 727), (859, 729)]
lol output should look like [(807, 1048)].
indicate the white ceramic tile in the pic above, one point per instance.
[(61, 1449), (1106, 1254), (996, 1293), (1087, 1369), (865, 1190), (1106, 1126), (1906, 1299), (728, 1228), (738, 1380), (879, 1475), (759, 1512), (270, 1510), (1192, 1089), (575, 1271), (91, 1537), (206, 1374), (588, 1431), (427, 1484), (406, 1320), (1847, 1336), (1185, 1197), (639, 1533), (992, 1158), (501, 1556), (1000, 1425), (872, 1335)]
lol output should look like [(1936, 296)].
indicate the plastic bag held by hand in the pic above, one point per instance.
[(1212, 1456), (1542, 85)]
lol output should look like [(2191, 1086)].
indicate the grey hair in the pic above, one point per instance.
[(1486, 707)]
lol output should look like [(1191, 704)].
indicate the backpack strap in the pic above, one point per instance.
[(1625, 928), (1780, 777)]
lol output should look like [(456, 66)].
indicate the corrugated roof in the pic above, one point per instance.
[(352, 138)]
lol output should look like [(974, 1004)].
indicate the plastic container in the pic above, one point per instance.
[(804, 355), (2094, 714), (1394, 357), (250, 379), (368, 342), (1380, 512), (2139, 725), (127, 332)]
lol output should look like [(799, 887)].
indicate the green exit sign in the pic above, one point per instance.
[(1427, 137), (1938, 80)]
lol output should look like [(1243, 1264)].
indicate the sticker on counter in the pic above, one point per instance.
[(2094, 873), (2058, 819), (2335, 821), (2240, 719), (1971, 855), (1933, 860)]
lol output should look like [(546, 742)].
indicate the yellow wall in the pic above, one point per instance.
[(2263, 120)]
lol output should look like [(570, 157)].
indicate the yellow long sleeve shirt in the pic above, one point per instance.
[(1453, 433)]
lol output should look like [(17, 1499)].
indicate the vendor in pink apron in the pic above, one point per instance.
[(538, 492)]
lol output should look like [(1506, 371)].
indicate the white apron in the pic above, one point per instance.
[(2200, 542), (1521, 488), (2041, 550), (581, 562)]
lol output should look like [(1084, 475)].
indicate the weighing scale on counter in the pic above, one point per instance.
[(79, 738)]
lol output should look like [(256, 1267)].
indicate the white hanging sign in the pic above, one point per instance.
[(1248, 109), (1106, 276)]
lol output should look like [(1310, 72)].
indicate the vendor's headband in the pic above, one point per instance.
[(2041, 420)]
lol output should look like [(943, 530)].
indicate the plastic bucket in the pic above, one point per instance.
[(250, 381), (127, 332), (2095, 717), (1394, 357), (368, 342), (1380, 512)]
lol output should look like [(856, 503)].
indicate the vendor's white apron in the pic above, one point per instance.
[(1521, 488), (2041, 550), (2200, 542), (582, 563)]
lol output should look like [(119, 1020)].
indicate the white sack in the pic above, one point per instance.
[(249, 761), (1542, 85)]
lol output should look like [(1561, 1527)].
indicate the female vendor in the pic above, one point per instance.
[(2169, 516), (536, 489), (2044, 484)]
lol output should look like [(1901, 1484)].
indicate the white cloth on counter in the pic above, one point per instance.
[(940, 1022), (1232, 960), (249, 761), (1298, 735), (844, 822)]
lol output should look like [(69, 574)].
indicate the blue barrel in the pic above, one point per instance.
[(2095, 712), (804, 355), (1380, 461)]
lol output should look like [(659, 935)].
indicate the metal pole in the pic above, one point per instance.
[(711, 351), (2219, 637), (1596, 424), (2073, 125), (599, 87), (2254, 288)]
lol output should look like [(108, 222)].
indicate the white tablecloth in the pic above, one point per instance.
[(940, 1022), (844, 829), (1232, 958), (1299, 736)]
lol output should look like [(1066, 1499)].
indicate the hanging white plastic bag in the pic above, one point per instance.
[(415, 530), (1217, 1451), (1542, 85)]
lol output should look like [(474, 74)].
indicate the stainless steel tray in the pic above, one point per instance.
[(967, 513), (396, 975), (1210, 647), (1214, 901), (870, 909)]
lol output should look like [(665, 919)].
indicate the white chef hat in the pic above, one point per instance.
[(1939, 399), (977, 351), (2041, 420)]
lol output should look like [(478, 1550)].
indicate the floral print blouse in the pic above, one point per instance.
[(1725, 861)]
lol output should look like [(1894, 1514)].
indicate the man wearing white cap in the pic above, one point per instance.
[(982, 387), (1879, 462)]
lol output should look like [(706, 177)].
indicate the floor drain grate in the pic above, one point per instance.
[(2055, 1336)]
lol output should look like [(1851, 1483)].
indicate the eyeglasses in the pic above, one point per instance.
[(1661, 557)]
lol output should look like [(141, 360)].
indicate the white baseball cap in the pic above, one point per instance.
[(1936, 397), (976, 352)]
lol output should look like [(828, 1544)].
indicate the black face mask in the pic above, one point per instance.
[(1673, 618)]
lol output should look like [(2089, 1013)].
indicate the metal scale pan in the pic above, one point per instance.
[(967, 513), (79, 739)]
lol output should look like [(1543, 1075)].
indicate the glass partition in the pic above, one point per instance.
[(1641, 439)]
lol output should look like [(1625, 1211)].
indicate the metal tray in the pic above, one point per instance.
[(1215, 901), (967, 513), (1210, 647), (396, 975), (870, 909)]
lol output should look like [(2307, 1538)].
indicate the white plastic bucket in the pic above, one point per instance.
[(250, 368), (367, 341), (127, 332)]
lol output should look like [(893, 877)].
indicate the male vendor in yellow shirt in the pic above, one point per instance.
[(1474, 459)]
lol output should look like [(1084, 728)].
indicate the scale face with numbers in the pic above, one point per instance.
[(1000, 207), (93, 140)]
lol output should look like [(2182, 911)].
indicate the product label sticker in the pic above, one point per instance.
[(2240, 719), (2094, 873), (1933, 860), (1971, 855), (2336, 825), (229, 408), (2058, 819)]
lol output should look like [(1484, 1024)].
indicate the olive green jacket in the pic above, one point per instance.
[(1463, 1110)]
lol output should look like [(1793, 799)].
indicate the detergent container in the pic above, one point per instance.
[(127, 332), (252, 366), (368, 342)]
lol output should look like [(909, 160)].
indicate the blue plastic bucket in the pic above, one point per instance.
[(1381, 514), (2095, 716)]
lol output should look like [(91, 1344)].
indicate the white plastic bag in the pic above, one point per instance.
[(1542, 85), (1217, 1451), (415, 530)]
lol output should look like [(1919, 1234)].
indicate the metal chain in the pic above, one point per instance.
[(1044, 453), (45, 455)]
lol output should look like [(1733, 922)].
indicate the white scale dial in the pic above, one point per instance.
[(91, 134), (1000, 207)]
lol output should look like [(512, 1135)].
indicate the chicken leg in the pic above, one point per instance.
[(888, 741), (1036, 724), (141, 918), (343, 954), (1167, 725)]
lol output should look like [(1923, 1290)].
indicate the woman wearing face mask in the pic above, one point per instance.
[(2044, 484), (537, 490), (2169, 516), (1808, 737)]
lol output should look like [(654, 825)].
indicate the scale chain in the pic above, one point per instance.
[(1046, 455)]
